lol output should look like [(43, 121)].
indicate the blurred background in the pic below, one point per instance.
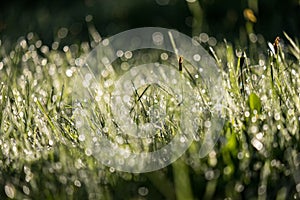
[(71, 21)]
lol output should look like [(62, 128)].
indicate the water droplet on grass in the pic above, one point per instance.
[(143, 191), (77, 183), (262, 190), (257, 144), (88, 152), (164, 56), (158, 38), (259, 135), (105, 42), (128, 54), (26, 190), (81, 137), (197, 57), (204, 37), (10, 191), (69, 72), (119, 53), (277, 116), (207, 124), (239, 187), (209, 175), (298, 187)]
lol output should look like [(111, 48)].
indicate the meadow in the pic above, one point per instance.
[(256, 156)]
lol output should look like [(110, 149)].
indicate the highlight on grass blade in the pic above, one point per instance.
[(276, 44), (271, 48), (249, 15), (294, 49)]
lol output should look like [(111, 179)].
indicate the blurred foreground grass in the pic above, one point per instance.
[(257, 155)]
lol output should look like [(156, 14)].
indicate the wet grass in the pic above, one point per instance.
[(257, 155)]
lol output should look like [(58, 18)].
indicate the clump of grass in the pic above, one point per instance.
[(257, 155)]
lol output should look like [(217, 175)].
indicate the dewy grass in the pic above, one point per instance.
[(257, 155)]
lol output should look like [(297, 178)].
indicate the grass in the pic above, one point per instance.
[(256, 157)]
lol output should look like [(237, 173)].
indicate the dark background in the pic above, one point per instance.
[(221, 19)]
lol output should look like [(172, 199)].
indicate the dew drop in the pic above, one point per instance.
[(212, 41), (164, 56), (207, 124), (197, 57), (157, 38), (257, 144), (9, 191), (247, 114), (88, 152), (105, 129), (227, 170), (77, 183), (120, 53), (278, 127), (69, 72), (298, 187), (209, 175), (128, 54), (143, 191), (51, 142), (262, 190), (259, 135), (239, 187), (81, 137), (240, 155), (125, 66), (26, 190), (253, 129), (182, 139), (112, 170), (204, 37), (105, 42), (277, 116)]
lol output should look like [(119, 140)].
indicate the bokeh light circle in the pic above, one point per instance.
[(135, 111)]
